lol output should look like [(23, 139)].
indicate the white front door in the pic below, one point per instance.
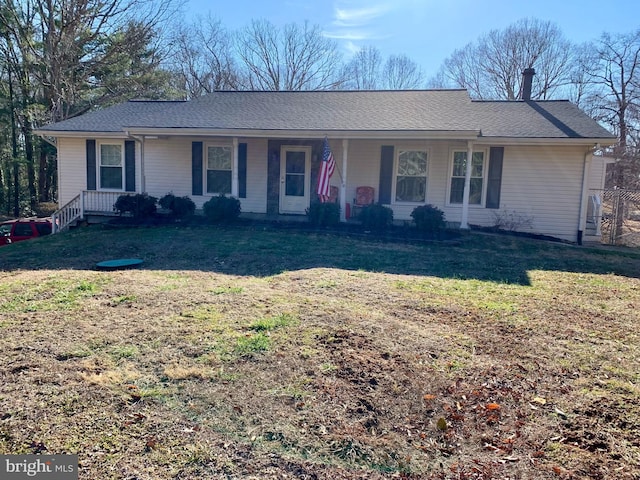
[(295, 179)]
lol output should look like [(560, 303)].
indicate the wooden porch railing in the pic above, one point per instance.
[(69, 213), (86, 202)]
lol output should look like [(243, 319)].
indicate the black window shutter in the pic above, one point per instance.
[(494, 180), (386, 174), (196, 168), (242, 170), (91, 164), (130, 166)]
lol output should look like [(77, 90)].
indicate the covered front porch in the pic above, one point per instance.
[(278, 176)]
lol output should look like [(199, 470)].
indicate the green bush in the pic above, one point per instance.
[(376, 217), (428, 218), (324, 214), (139, 205), (221, 209), (180, 207)]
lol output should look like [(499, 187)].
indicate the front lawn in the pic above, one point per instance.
[(242, 352)]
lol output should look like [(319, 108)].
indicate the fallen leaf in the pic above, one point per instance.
[(493, 406), (510, 459), (441, 424), (539, 400), (428, 397), (560, 412)]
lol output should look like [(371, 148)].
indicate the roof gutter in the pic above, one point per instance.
[(80, 134), (521, 141), (319, 134)]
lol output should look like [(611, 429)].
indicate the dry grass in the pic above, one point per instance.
[(245, 353)]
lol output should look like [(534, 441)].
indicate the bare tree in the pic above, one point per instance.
[(203, 58), (65, 57), (293, 58), (401, 73), (491, 68), (613, 67), (363, 71)]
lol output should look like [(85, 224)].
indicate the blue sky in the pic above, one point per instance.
[(428, 31)]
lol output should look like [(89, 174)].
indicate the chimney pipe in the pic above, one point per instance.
[(527, 81)]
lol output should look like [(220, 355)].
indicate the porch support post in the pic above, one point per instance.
[(234, 176), (143, 185), (143, 182), (464, 221), (343, 181)]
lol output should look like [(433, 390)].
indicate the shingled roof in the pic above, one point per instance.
[(342, 111)]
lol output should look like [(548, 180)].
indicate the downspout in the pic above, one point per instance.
[(343, 179), (140, 140), (582, 219), (464, 221)]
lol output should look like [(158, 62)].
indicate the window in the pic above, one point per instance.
[(219, 169), (22, 230), (411, 176), (458, 175), (111, 166)]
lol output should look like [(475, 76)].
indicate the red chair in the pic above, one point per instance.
[(364, 197)]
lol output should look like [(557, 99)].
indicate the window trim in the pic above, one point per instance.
[(205, 168), (99, 165), (396, 164), (450, 177)]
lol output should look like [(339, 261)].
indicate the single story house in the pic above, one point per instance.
[(530, 159)]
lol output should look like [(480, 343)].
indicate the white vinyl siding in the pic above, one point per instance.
[(256, 200), (168, 169), (542, 182), (72, 168)]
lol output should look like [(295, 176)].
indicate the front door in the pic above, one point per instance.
[(295, 179)]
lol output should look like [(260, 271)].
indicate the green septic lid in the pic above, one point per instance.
[(119, 264)]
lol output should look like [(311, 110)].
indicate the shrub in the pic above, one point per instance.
[(221, 209), (139, 205), (428, 218), (180, 207), (512, 220), (376, 217), (324, 214)]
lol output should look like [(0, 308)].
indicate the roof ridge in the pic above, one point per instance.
[(148, 100), (482, 100), (420, 90)]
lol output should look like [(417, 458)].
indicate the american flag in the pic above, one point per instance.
[(326, 170)]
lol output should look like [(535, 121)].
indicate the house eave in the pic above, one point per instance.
[(79, 134), (474, 135), (308, 133), (523, 141)]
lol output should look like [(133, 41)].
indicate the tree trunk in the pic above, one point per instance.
[(14, 150), (42, 175)]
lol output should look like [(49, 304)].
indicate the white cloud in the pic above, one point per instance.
[(358, 21), (353, 17)]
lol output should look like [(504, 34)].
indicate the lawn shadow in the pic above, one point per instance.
[(264, 250)]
